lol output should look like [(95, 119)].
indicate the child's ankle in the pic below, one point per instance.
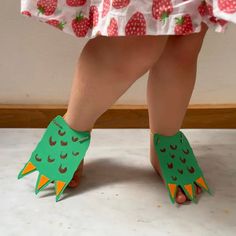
[(74, 127), (164, 132)]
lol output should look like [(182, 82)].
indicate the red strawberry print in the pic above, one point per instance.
[(161, 9), (75, 3), (136, 25), (118, 4), (47, 7), (112, 29), (202, 8), (93, 16), (80, 25), (27, 13), (106, 7), (214, 20), (130, 17), (227, 6), (183, 25), (56, 23), (209, 12)]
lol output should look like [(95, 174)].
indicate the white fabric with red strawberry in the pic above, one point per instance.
[(89, 18), (225, 9)]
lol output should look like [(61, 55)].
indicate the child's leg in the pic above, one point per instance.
[(170, 85), (106, 68)]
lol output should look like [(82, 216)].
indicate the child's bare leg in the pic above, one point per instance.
[(170, 85), (106, 68)]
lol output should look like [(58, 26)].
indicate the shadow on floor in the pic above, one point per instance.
[(104, 172), (109, 171)]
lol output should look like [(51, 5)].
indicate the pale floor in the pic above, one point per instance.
[(120, 194)]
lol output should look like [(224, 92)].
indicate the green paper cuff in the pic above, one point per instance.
[(178, 165), (57, 155)]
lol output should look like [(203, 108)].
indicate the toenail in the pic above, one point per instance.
[(199, 190), (181, 198)]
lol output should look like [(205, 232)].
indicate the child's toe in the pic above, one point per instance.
[(198, 189), (74, 182), (180, 196)]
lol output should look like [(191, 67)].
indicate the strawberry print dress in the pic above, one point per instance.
[(90, 18)]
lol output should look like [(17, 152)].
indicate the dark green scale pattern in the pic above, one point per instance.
[(177, 160), (60, 151)]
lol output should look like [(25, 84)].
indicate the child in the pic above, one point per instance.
[(163, 37)]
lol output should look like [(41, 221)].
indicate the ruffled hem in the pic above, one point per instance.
[(224, 9), (132, 22)]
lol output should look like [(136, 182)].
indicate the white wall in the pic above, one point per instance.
[(37, 63)]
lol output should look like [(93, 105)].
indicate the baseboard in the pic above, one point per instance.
[(118, 116)]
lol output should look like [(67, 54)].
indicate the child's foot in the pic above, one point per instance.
[(180, 196), (77, 175)]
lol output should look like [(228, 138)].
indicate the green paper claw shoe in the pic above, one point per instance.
[(57, 155), (178, 165)]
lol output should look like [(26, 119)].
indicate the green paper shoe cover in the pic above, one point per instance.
[(57, 155), (178, 165)]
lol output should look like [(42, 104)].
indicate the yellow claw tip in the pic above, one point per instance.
[(189, 190), (200, 181), (28, 168)]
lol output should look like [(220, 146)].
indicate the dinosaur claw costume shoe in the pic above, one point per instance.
[(178, 165), (57, 155)]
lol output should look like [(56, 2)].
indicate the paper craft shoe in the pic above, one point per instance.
[(57, 155), (178, 165)]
